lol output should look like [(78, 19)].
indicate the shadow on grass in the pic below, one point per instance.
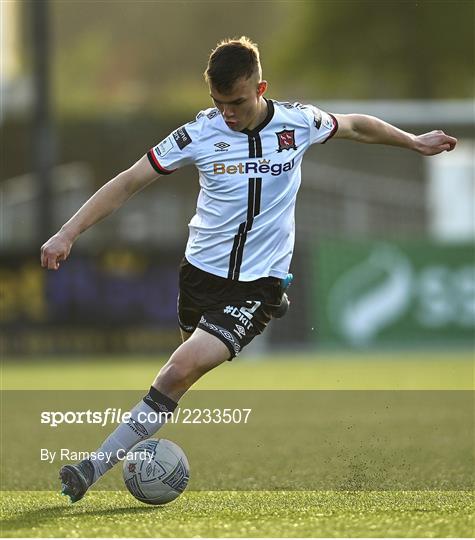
[(42, 516)]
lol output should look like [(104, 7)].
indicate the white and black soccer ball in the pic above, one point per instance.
[(156, 471)]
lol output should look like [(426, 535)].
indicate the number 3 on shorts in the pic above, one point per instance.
[(249, 311)]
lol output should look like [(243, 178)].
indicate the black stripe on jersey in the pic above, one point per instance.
[(252, 147), (257, 205), (258, 146), (253, 198), (239, 239), (251, 192), (255, 146), (253, 209)]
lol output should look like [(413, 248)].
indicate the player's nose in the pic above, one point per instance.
[(228, 113)]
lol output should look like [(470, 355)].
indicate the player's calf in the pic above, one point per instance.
[(186, 365), (146, 418)]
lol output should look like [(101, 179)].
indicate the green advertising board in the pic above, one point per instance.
[(384, 293)]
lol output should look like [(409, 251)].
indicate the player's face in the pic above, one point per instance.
[(243, 107)]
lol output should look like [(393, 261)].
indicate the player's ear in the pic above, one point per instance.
[(261, 88)]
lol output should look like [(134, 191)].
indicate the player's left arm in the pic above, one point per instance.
[(372, 130)]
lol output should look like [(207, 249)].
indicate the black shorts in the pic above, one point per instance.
[(233, 311)]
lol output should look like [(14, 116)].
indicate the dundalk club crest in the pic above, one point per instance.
[(286, 140)]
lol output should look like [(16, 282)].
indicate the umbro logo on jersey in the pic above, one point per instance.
[(222, 146), (286, 140)]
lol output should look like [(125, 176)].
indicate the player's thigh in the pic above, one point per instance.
[(193, 358), (204, 350), (197, 355)]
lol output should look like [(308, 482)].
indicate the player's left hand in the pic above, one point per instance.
[(55, 250), (434, 142)]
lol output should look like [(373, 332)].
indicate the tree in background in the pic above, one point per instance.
[(376, 50), (148, 57)]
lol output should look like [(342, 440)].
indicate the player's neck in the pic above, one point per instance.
[(260, 116)]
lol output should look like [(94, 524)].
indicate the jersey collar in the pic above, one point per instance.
[(263, 124)]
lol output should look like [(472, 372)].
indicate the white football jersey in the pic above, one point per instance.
[(244, 226)]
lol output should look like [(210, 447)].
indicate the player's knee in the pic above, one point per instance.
[(174, 373)]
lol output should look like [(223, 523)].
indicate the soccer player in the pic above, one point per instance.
[(248, 151)]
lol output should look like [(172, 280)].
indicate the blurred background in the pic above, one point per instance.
[(385, 238)]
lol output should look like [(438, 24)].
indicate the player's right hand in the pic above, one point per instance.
[(55, 250)]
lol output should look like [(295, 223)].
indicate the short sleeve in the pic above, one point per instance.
[(323, 125), (176, 150)]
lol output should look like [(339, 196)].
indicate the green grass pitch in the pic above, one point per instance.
[(242, 514), (270, 513)]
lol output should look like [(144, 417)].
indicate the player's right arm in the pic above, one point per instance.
[(108, 198), (176, 150)]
